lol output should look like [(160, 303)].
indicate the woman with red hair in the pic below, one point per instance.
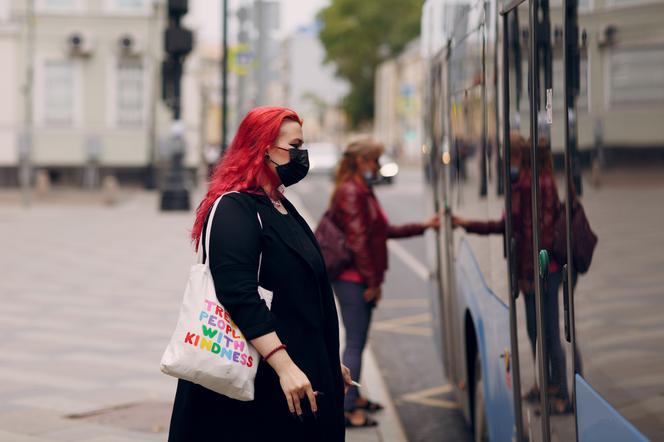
[(300, 382)]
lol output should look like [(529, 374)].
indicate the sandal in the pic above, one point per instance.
[(368, 422), (370, 406), (561, 406), (533, 394)]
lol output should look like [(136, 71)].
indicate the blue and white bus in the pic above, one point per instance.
[(585, 78)]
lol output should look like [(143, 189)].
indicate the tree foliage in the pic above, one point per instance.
[(360, 34)]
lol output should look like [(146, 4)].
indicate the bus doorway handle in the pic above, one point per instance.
[(566, 305)]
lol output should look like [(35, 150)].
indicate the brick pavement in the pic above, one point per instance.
[(89, 297)]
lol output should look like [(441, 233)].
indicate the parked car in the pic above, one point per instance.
[(323, 157), (388, 169)]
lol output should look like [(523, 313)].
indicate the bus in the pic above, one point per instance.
[(550, 318)]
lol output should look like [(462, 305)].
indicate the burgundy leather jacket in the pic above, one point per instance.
[(358, 213), (522, 224)]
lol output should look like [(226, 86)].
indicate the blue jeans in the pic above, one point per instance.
[(356, 316), (556, 363)]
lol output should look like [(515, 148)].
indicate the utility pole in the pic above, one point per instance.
[(25, 143), (242, 62), (261, 52), (224, 77), (178, 42), (151, 169)]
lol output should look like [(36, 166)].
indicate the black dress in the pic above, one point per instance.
[(303, 315)]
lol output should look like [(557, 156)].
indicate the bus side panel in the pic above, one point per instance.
[(491, 321), (597, 421)]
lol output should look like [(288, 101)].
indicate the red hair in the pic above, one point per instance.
[(243, 166)]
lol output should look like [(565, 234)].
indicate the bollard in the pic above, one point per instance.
[(42, 183), (110, 190)]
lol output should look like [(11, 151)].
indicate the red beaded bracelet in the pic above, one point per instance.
[(280, 347)]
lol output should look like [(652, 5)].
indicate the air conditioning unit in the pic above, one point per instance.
[(79, 44), (583, 38), (557, 36), (129, 45), (607, 36)]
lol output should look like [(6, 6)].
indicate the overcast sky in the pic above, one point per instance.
[(293, 14)]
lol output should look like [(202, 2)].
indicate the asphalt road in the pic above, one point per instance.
[(401, 334)]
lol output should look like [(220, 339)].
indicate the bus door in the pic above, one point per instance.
[(541, 391), (613, 177), (554, 96)]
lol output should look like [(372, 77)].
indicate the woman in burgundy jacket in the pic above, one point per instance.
[(358, 213), (522, 226)]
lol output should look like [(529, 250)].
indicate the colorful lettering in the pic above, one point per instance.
[(218, 311), (229, 341), (250, 361), (216, 348), (238, 345), (226, 353), (209, 304), (189, 337), (206, 344), (243, 359), (212, 320), (203, 315), (236, 336), (210, 333), (197, 339), (236, 356)]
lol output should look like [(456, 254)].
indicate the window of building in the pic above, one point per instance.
[(58, 93), (128, 6), (631, 75), (618, 3), (130, 3), (64, 6), (129, 93)]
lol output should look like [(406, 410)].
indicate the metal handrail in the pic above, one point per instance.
[(511, 5)]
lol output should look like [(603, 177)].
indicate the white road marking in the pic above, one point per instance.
[(409, 260), (425, 397)]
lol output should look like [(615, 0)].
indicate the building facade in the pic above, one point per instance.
[(309, 86), (94, 96), (398, 100)]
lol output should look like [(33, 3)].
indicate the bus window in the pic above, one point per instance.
[(619, 301)]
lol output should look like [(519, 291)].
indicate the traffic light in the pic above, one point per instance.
[(178, 42), (177, 8)]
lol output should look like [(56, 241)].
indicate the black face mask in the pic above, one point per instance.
[(296, 169)]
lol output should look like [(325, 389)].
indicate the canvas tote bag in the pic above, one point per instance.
[(207, 348)]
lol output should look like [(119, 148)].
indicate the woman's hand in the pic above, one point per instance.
[(348, 380), (433, 222), (294, 383), (457, 221), (372, 294)]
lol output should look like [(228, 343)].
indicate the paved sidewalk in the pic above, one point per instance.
[(89, 297)]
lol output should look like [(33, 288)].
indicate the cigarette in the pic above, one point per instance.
[(355, 383)]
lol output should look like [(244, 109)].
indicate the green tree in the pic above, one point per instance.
[(360, 34)]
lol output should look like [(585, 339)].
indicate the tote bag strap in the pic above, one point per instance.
[(208, 231)]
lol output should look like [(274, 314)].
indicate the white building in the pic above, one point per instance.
[(310, 87), (96, 88), (398, 100)]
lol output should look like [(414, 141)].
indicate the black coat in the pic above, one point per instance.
[(303, 314)]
